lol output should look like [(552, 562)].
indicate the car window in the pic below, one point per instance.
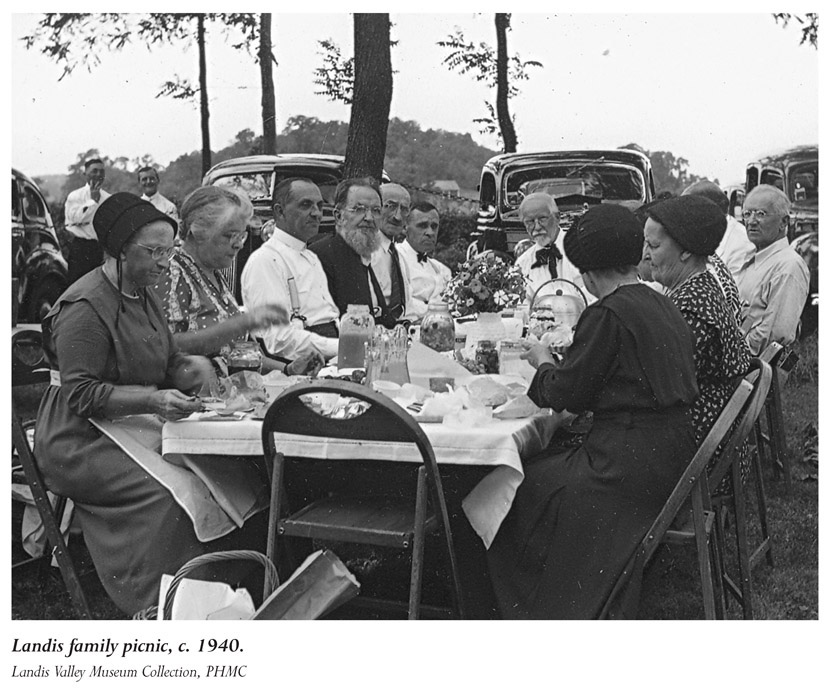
[(15, 200), (804, 183), (254, 185), (33, 205), (609, 182), (323, 179)]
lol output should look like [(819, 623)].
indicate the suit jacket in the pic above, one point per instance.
[(347, 277)]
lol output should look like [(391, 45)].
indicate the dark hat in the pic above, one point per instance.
[(607, 235), (692, 221), (120, 216)]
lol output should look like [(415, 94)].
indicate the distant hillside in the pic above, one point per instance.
[(51, 186)]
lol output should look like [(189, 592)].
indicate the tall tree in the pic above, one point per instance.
[(266, 61), (495, 68), (373, 88)]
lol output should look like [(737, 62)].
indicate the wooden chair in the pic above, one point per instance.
[(772, 438), (400, 519), (726, 436), (51, 517)]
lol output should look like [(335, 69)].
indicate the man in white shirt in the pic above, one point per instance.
[(428, 276), (85, 253), (773, 283), (283, 271), (735, 248), (392, 273), (148, 179), (543, 261)]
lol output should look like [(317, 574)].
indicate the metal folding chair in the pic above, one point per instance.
[(400, 516)]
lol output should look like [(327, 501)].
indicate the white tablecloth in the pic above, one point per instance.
[(502, 444)]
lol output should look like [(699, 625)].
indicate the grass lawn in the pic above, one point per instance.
[(788, 591)]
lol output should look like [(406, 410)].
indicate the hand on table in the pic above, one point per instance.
[(173, 405)]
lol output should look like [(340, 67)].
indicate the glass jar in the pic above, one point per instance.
[(437, 328), (244, 355), (355, 329), (486, 356), (510, 362)]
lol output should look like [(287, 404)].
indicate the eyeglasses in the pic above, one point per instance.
[(758, 213), (530, 223), (362, 210), (393, 206), (159, 252)]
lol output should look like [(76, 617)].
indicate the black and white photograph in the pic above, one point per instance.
[(494, 322)]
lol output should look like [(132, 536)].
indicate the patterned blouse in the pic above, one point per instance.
[(194, 299), (727, 284), (721, 353)]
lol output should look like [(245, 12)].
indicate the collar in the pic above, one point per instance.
[(283, 237), (407, 249), (772, 249), (385, 242)]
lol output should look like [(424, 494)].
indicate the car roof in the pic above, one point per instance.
[(20, 176), (790, 156), (253, 163), (520, 159)]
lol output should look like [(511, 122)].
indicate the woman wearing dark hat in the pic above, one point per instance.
[(578, 516), (112, 355), (679, 235)]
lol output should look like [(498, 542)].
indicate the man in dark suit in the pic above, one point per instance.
[(346, 257)]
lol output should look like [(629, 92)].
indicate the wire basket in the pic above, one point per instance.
[(271, 578)]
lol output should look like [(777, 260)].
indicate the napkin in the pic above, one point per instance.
[(425, 364)]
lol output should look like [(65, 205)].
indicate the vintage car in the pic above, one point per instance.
[(576, 179), (39, 271), (257, 177), (796, 173)]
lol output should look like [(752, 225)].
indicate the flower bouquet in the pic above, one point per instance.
[(484, 285)]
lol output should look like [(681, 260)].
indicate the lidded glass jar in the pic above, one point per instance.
[(437, 327), (486, 356), (244, 354), (355, 329)]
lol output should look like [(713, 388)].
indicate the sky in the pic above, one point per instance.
[(696, 85)]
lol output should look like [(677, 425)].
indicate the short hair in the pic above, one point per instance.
[(344, 187), (92, 161), (548, 198), (781, 203), (204, 207), (709, 190), (393, 184), (281, 194), (424, 206), (145, 169)]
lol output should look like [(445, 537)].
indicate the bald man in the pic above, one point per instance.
[(735, 248), (543, 260)]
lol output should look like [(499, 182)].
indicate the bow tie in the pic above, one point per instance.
[(545, 256), (422, 257)]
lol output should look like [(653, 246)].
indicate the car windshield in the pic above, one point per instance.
[(254, 185), (804, 184), (609, 182)]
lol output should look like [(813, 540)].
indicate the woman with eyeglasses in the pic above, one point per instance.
[(112, 355), (201, 310)]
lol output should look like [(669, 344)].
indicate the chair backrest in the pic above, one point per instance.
[(771, 352), (384, 420)]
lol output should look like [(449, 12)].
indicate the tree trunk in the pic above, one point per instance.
[(504, 119), (268, 91), (206, 155), (373, 87)]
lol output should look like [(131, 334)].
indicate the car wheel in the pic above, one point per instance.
[(43, 297)]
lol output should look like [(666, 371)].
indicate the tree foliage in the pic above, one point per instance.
[(809, 25), (481, 61), (336, 74), (671, 173)]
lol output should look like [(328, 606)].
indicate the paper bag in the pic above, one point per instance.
[(205, 600), (321, 584)]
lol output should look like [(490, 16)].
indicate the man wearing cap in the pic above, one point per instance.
[(85, 252), (391, 271), (148, 180), (428, 276), (773, 282), (543, 261), (578, 517), (735, 247), (284, 271)]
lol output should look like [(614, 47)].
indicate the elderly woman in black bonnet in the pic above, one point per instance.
[(112, 355), (578, 515), (679, 236)]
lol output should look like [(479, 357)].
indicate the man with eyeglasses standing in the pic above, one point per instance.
[(148, 180), (544, 261), (347, 256), (773, 283), (85, 253)]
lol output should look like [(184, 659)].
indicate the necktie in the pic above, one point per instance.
[(422, 257), (395, 302), (547, 257)]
